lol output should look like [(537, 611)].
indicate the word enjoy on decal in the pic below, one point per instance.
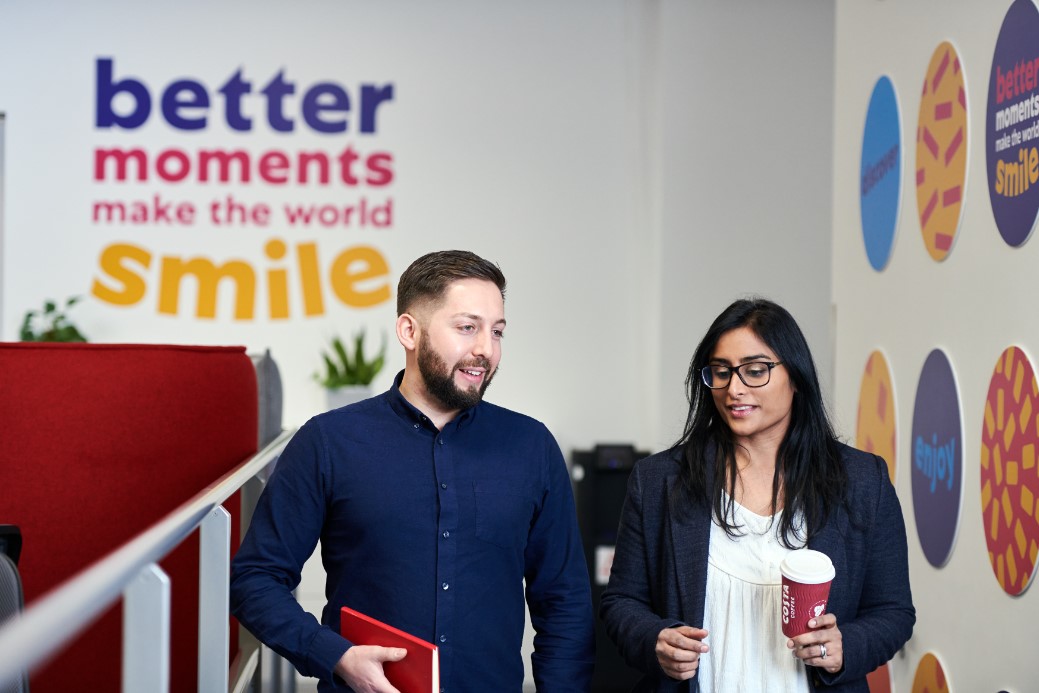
[(936, 462)]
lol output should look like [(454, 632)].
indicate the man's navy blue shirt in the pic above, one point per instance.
[(430, 531)]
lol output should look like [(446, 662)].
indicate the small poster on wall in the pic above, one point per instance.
[(880, 174), (941, 151), (937, 452), (1012, 124)]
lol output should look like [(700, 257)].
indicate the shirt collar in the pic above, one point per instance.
[(410, 413)]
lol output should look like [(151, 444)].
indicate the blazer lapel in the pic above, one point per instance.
[(830, 541), (690, 531)]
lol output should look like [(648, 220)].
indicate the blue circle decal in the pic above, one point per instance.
[(880, 176)]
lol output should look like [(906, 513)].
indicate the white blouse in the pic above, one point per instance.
[(743, 612)]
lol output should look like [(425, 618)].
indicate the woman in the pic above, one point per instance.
[(694, 595)]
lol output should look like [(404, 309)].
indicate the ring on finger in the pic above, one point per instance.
[(822, 651)]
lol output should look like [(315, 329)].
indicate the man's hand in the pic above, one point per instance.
[(679, 649), (361, 668)]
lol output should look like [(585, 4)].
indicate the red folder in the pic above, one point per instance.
[(419, 672)]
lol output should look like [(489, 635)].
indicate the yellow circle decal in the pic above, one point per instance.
[(941, 151), (875, 428), (930, 677)]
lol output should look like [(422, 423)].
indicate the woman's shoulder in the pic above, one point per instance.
[(657, 468), (862, 468), (664, 462)]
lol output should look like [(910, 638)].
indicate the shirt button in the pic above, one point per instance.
[(440, 440), (443, 485), (447, 534), (443, 638), (416, 425), (444, 586)]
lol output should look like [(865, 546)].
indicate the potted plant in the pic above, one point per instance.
[(51, 324), (349, 373)]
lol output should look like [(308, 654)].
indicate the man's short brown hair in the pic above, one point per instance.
[(427, 278)]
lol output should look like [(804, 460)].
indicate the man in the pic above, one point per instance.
[(432, 507)]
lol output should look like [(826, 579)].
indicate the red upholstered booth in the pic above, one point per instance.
[(97, 443)]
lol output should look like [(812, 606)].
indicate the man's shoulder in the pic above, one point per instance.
[(500, 415), (340, 417)]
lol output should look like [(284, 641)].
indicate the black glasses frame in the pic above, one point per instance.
[(705, 374)]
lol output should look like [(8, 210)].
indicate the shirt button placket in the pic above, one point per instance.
[(446, 557)]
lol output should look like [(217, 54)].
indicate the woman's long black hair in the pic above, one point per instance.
[(808, 460)]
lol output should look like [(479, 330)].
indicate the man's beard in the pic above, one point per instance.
[(440, 381)]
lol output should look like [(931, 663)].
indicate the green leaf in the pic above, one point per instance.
[(50, 325), (345, 368)]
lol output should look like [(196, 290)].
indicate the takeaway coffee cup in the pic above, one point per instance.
[(807, 576)]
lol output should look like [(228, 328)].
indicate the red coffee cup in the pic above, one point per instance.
[(807, 575)]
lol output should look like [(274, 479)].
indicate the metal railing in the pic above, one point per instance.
[(132, 572)]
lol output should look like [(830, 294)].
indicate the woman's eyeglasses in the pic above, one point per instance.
[(753, 374)]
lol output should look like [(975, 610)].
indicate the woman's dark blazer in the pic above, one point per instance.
[(659, 574)]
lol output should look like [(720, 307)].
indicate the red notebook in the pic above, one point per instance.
[(419, 672)]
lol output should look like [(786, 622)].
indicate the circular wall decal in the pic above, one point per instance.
[(875, 426), (879, 680), (1009, 475), (1012, 124), (930, 676), (937, 452), (941, 151), (880, 173)]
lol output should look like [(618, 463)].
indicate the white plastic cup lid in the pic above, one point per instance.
[(807, 567)]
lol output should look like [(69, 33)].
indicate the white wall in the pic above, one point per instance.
[(2, 126), (598, 150), (973, 305), (745, 129), (512, 134), (603, 152)]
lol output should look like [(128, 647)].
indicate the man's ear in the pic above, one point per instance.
[(407, 331)]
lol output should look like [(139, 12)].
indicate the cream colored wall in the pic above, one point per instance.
[(513, 134), (973, 305), (744, 128)]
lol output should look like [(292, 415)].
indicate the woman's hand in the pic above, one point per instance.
[(678, 651), (822, 647)]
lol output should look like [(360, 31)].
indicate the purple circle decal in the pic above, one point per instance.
[(1012, 124), (937, 449)]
